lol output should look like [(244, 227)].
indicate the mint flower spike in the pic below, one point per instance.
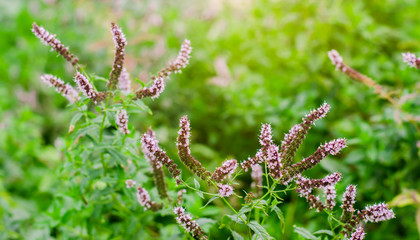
[(257, 180), (227, 169), (348, 203), (120, 43), (333, 147), (124, 82), (158, 81), (411, 59), (184, 152), (185, 220), (305, 187), (265, 140), (143, 198), (377, 213), (50, 40), (359, 234), (297, 133), (64, 89), (224, 190), (122, 121), (87, 89), (153, 153)]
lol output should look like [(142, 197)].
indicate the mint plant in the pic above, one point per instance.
[(105, 171)]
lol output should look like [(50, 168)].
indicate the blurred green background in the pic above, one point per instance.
[(252, 62)]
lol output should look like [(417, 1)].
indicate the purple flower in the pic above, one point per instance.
[(130, 183), (336, 59), (359, 234), (124, 82), (227, 169), (225, 190), (185, 220), (411, 59), (120, 43), (377, 213), (122, 121), (64, 89)]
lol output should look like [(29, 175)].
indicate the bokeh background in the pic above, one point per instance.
[(253, 61)]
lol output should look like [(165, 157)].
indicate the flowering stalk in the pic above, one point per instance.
[(297, 133), (225, 170), (188, 224), (332, 147), (257, 181), (337, 60), (184, 152), (49, 39), (305, 186), (156, 156), (348, 203), (262, 154), (87, 88), (144, 199), (359, 234), (122, 121), (124, 82), (180, 196), (158, 81), (120, 43), (64, 89)]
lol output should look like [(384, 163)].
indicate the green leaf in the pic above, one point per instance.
[(75, 118), (211, 200), (259, 230), (280, 216), (324, 231), (236, 236), (304, 233), (236, 218), (244, 210), (196, 184), (200, 194)]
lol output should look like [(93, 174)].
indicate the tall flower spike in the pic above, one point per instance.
[(225, 190), (185, 220), (184, 153), (257, 180), (348, 203), (153, 152), (377, 213), (295, 137), (144, 199), (227, 169), (332, 147), (120, 43), (180, 62), (158, 81), (265, 141), (337, 61), (154, 91), (87, 88), (124, 82), (411, 59), (50, 40), (273, 161), (64, 89), (122, 121)]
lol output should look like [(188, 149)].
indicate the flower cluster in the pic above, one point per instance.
[(305, 186), (158, 81), (49, 39), (144, 199), (188, 224), (374, 213), (180, 196), (336, 60), (332, 147), (122, 121), (64, 89), (180, 62), (184, 152), (120, 43), (359, 234), (411, 59), (155, 154), (225, 170), (124, 82), (225, 190), (262, 154), (87, 89), (130, 183)]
